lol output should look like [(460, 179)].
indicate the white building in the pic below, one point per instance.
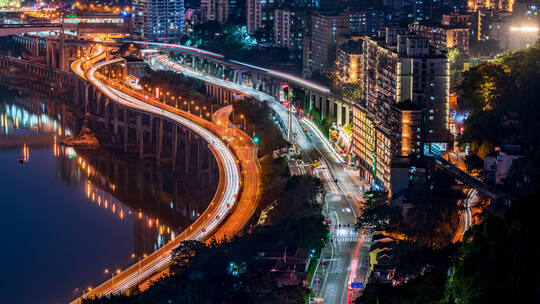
[(161, 20), (497, 164)]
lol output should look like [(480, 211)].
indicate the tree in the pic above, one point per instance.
[(184, 254), (484, 47), (377, 212), (352, 90), (484, 87), (433, 219), (500, 258), (474, 164)]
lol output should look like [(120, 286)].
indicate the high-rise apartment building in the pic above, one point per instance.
[(401, 67), (161, 20), (216, 10), (326, 32), (405, 107), (282, 28), (375, 144), (253, 15), (289, 28)]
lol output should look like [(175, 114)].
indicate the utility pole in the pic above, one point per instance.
[(285, 88)]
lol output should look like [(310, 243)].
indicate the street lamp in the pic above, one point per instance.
[(244, 117), (112, 275), (139, 264), (84, 290)]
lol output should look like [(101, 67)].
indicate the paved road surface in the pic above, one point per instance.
[(210, 220), (346, 260)]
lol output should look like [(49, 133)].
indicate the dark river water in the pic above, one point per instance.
[(68, 214)]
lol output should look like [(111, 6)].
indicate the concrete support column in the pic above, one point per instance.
[(324, 107), (140, 135), (174, 145), (53, 55), (107, 118), (339, 113), (199, 157), (126, 130), (332, 104), (159, 140), (151, 124), (115, 119), (187, 148), (86, 88)]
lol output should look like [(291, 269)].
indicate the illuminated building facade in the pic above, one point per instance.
[(401, 67), (289, 27), (405, 110), (349, 64), (463, 19), (503, 5), (96, 26), (371, 145), (443, 36), (161, 20), (254, 15)]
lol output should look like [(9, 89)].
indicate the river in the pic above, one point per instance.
[(71, 215)]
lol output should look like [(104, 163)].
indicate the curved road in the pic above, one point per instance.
[(209, 221), (346, 261), (246, 150)]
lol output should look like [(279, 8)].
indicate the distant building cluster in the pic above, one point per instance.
[(395, 51)]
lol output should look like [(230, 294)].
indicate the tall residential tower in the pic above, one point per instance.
[(161, 20)]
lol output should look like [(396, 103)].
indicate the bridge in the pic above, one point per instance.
[(473, 182), (21, 28)]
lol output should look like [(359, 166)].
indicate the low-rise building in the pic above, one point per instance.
[(497, 164)]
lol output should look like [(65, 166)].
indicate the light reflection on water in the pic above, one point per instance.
[(16, 120), (73, 213)]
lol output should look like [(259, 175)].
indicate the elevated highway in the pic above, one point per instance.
[(473, 182), (266, 80), (220, 208), (21, 28)]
